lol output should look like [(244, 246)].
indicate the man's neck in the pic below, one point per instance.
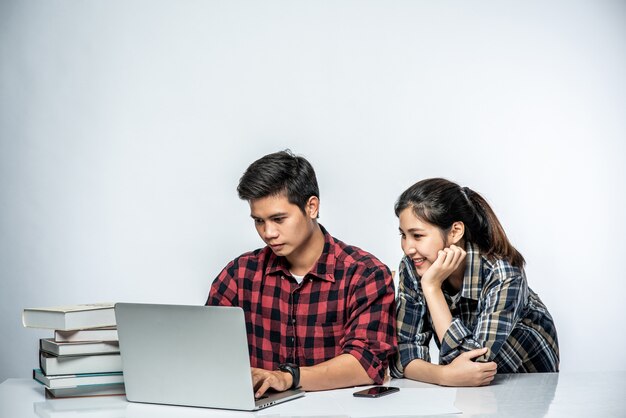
[(302, 260)]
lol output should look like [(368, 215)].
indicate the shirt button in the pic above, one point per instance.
[(293, 321)]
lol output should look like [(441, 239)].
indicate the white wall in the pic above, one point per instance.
[(125, 125)]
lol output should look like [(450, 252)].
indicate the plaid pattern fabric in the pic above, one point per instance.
[(345, 304), (494, 309)]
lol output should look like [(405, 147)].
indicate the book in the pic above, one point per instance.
[(88, 390), (78, 348), (72, 317), (83, 335), (73, 380), (103, 363)]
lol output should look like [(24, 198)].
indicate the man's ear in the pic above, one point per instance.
[(457, 231), (312, 207)]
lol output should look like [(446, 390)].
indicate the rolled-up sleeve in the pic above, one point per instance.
[(370, 330), (224, 288), (501, 306), (413, 326)]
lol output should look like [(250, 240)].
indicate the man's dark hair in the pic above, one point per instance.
[(278, 173)]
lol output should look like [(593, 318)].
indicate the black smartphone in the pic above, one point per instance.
[(376, 391)]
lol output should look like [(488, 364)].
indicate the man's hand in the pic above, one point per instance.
[(465, 372), (263, 379), (447, 261)]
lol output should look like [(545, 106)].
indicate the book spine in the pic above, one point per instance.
[(78, 348), (47, 347), (43, 320), (105, 363), (41, 362), (96, 334)]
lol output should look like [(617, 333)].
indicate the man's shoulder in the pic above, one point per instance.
[(254, 256), (352, 255)]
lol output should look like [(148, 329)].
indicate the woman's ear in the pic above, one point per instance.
[(457, 231)]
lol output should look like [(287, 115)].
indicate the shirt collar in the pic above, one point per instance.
[(323, 269), (472, 280)]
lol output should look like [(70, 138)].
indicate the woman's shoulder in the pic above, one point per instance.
[(496, 268)]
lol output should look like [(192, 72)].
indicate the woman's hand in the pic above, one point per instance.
[(447, 261), (465, 372)]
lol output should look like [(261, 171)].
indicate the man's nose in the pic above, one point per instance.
[(270, 231)]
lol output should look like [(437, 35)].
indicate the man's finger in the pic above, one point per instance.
[(263, 388)]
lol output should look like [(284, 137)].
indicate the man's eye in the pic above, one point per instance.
[(417, 236), (402, 235), (279, 220), (258, 221)]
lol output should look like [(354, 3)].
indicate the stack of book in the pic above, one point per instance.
[(83, 357)]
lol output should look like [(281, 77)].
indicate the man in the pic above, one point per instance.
[(320, 314)]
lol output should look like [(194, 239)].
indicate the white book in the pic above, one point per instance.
[(104, 363), (78, 348), (95, 334), (95, 315), (74, 380), (80, 391)]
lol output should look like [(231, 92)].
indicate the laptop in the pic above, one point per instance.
[(189, 356)]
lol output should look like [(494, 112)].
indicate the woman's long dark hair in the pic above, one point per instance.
[(441, 202)]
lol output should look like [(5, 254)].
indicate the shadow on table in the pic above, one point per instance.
[(510, 395), (109, 406)]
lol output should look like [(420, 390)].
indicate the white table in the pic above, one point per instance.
[(594, 394)]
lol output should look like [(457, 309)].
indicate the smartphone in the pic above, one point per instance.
[(376, 391)]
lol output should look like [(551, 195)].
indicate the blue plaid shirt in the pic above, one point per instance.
[(495, 308)]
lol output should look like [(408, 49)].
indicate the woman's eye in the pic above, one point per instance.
[(416, 236)]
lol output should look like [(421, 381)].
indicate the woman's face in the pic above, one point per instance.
[(420, 240)]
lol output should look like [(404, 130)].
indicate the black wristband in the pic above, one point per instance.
[(293, 370)]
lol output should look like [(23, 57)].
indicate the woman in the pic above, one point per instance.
[(463, 280)]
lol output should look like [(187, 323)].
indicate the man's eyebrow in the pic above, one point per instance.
[(278, 214), (273, 215)]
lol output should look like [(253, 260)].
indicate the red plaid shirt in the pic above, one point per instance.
[(345, 304)]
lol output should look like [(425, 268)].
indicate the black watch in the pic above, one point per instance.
[(293, 370)]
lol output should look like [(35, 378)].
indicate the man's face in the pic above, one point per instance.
[(282, 225)]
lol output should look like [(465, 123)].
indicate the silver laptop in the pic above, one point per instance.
[(189, 356)]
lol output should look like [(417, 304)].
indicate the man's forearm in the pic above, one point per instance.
[(339, 372)]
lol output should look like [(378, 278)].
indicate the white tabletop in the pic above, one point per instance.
[(593, 394)]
